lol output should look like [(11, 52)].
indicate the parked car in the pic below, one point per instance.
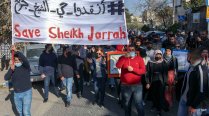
[(33, 52), (150, 33)]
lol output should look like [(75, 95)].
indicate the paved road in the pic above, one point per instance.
[(79, 107)]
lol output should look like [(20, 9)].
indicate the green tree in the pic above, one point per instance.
[(165, 16), (128, 15), (193, 4), (145, 28)]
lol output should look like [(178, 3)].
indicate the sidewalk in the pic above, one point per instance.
[(2, 73)]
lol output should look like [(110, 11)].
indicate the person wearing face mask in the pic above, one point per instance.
[(66, 72), (132, 68), (19, 73), (194, 96), (172, 64), (150, 51), (47, 66), (156, 79)]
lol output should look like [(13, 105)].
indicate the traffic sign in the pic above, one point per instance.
[(207, 14)]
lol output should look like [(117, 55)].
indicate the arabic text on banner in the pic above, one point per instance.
[(83, 22)]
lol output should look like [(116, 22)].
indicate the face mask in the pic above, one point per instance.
[(132, 54), (137, 46), (157, 58), (149, 48), (18, 64)]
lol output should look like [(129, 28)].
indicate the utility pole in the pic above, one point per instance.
[(174, 10)]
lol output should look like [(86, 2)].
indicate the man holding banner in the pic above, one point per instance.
[(19, 73)]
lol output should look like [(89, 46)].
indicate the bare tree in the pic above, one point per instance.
[(157, 10)]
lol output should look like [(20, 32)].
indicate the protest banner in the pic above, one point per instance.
[(79, 22), (181, 56)]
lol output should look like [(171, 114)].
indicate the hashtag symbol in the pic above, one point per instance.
[(116, 7)]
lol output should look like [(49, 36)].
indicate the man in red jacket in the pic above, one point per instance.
[(132, 68)]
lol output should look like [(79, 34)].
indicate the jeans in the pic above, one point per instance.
[(23, 102), (46, 84), (68, 82), (99, 88), (183, 109), (111, 81), (134, 92)]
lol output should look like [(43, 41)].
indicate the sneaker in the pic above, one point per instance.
[(62, 89), (45, 100), (79, 95), (101, 105), (159, 114), (143, 103), (88, 83), (58, 95), (67, 104), (94, 102), (152, 109)]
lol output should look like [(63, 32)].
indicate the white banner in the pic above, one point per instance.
[(81, 22)]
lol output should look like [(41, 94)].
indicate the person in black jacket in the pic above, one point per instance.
[(66, 72), (79, 63), (195, 86), (170, 43), (47, 66), (19, 74), (156, 79), (172, 64)]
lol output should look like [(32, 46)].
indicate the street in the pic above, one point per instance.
[(79, 107)]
